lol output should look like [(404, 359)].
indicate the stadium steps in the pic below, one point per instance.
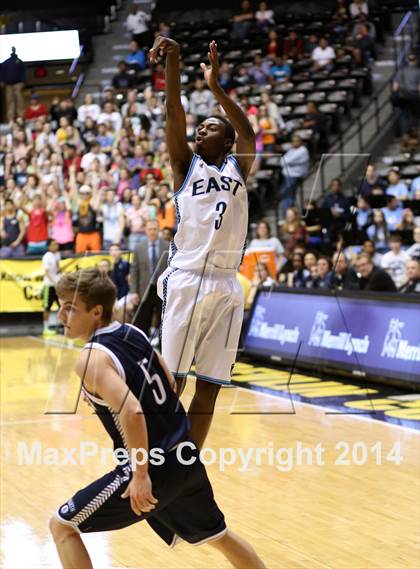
[(108, 50)]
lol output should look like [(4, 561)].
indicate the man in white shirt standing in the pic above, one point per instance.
[(201, 101), (295, 167), (395, 260), (51, 266), (113, 220), (88, 109), (323, 56), (137, 24)]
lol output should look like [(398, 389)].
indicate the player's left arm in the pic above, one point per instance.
[(245, 144), (99, 376)]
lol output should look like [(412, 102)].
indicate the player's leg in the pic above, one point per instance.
[(70, 547), (202, 409), (238, 551), (215, 356)]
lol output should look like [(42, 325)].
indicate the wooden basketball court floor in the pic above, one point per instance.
[(355, 515)]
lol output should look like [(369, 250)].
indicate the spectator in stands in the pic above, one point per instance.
[(363, 46), (310, 44), (338, 204), (274, 113), (64, 108), (268, 128), (396, 187), (378, 232), (88, 110), (309, 260), (94, 154), (37, 234), (410, 142), (406, 89), (362, 20), (12, 76), (323, 56), (122, 81), (111, 115), (341, 10), (201, 101), (88, 237), (149, 261), (414, 250), (371, 277), (113, 219), (412, 284), (225, 76), (324, 276), (280, 70), (295, 167), (395, 260), (293, 46), (165, 209), (259, 71), (369, 248), (343, 276), (407, 225), (393, 213), (151, 169), (264, 241), (316, 121), (363, 215), (120, 270), (273, 46), (12, 231), (242, 21), (135, 220), (358, 7), (35, 109), (260, 278), (62, 225), (298, 277), (293, 230), (137, 24), (136, 59), (264, 16), (370, 181)]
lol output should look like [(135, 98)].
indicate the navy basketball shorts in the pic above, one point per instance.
[(186, 509)]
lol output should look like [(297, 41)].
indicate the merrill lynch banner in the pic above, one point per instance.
[(362, 335), (21, 281)]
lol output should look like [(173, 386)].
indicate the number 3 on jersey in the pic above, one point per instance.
[(220, 208)]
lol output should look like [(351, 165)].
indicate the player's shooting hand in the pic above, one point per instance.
[(162, 46), (140, 493), (211, 73)]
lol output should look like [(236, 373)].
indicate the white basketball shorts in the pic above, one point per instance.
[(201, 320)]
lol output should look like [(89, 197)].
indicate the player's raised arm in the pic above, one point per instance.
[(245, 144), (99, 376), (179, 152)]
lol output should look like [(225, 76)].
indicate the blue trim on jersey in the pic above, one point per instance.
[(212, 379), (165, 291), (236, 164), (173, 250), (188, 176)]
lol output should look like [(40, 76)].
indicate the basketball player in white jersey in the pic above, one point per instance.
[(202, 299)]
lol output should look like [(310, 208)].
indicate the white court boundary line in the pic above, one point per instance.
[(282, 395)]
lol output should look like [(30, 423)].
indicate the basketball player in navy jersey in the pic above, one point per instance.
[(133, 393), (202, 299)]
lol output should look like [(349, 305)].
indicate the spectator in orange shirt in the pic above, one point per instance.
[(164, 207)]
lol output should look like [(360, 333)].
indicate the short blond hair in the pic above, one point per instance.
[(92, 287)]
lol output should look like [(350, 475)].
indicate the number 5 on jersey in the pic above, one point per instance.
[(220, 208), (155, 381)]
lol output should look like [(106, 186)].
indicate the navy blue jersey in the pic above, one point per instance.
[(138, 364)]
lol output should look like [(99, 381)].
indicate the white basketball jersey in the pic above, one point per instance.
[(212, 215)]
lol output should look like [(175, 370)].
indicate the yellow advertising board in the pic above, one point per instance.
[(21, 281)]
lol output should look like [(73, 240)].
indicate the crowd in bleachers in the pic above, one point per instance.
[(92, 174)]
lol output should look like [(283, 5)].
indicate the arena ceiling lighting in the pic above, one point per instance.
[(41, 46)]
